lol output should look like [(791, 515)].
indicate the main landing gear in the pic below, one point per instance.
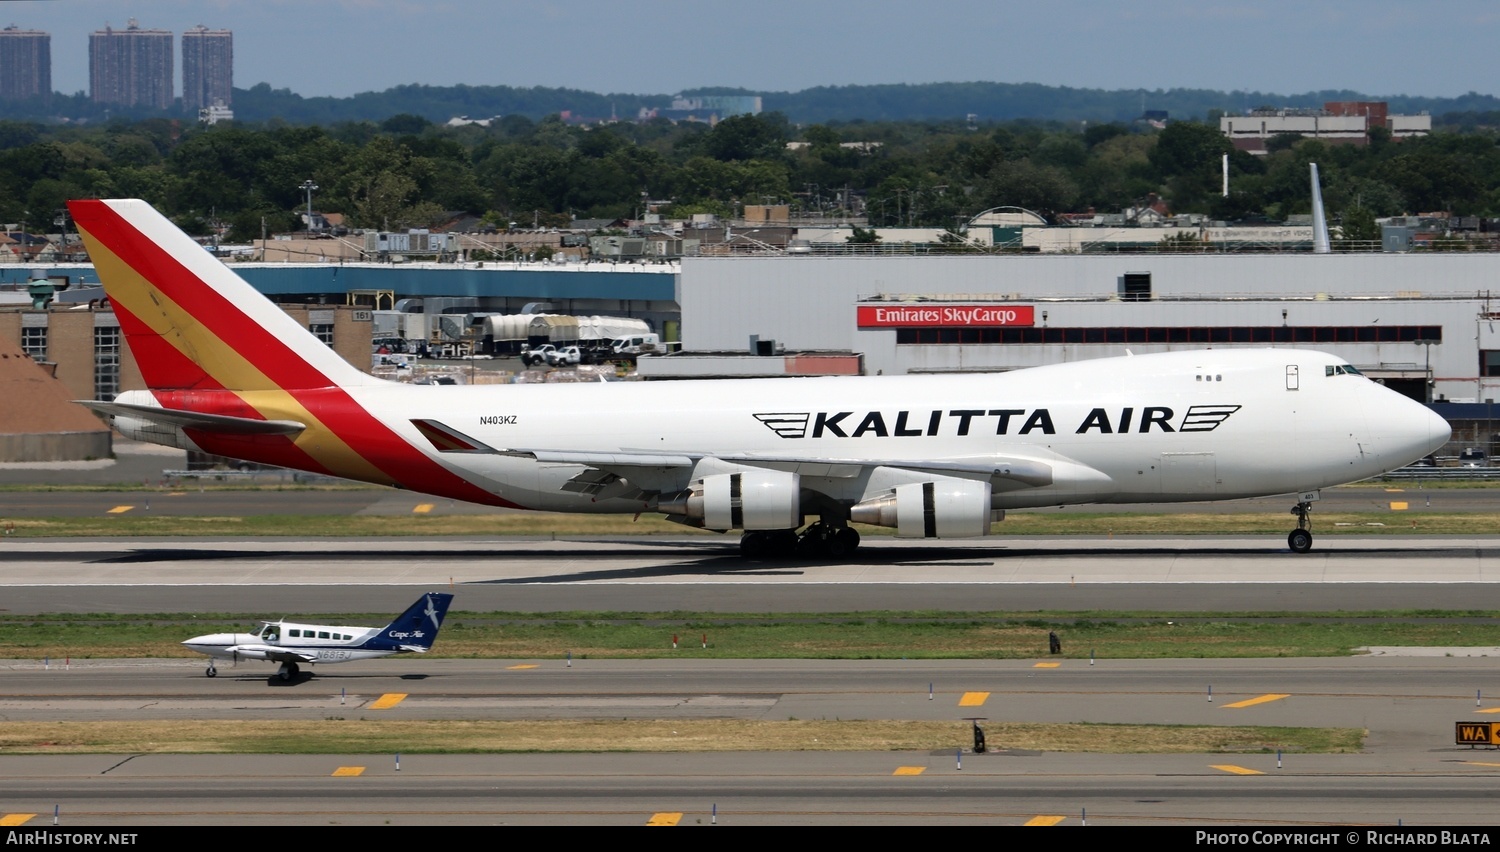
[(212, 672), (819, 540), (288, 671), (1300, 539)]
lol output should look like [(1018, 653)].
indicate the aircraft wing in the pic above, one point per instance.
[(1031, 472), (220, 423), (608, 473), (274, 653)]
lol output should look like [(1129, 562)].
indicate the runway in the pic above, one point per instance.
[(1410, 771), (696, 573)]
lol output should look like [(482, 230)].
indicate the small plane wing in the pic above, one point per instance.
[(219, 423), (278, 654)]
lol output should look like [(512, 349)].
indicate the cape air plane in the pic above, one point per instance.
[(292, 643), (929, 456)]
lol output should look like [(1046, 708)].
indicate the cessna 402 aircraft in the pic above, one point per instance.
[(930, 456), (291, 644)]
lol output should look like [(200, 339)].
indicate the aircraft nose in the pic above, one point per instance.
[(1438, 432), (1416, 430)]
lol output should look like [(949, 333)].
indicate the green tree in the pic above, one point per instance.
[(1358, 228)]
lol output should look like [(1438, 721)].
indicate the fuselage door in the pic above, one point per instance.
[(1291, 376)]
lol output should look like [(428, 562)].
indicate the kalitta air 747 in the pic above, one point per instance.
[(930, 456)]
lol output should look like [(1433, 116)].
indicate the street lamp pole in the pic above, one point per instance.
[(308, 187), (1427, 369)]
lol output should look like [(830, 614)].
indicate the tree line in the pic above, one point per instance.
[(407, 172)]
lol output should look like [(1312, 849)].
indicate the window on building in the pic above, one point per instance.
[(1489, 362), (1178, 335), (34, 342), (1136, 287), (323, 332), (106, 362)]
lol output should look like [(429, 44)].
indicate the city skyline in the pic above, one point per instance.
[(1377, 47)]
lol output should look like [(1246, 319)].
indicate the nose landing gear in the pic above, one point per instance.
[(1300, 539)]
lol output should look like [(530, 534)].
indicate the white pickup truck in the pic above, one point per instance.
[(540, 355)]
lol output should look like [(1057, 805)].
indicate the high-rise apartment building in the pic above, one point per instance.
[(131, 67), (207, 67), (25, 64)]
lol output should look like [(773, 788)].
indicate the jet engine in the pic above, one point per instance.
[(746, 500), (945, 508)]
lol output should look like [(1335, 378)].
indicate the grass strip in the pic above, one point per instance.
[(520, 636), (366, 737)]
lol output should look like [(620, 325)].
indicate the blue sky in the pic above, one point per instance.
[(340, 47)]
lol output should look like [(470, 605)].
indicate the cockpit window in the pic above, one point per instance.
[(1340, 370)]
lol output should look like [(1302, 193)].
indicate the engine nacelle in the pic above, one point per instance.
[(945, 508), (745, 500)]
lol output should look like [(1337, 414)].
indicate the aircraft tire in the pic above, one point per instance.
[(1300, 541), (783, 543), (212, 672), (753, 545), (841, 543)]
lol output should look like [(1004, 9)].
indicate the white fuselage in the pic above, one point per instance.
[(1102, 426), (1178, 426)]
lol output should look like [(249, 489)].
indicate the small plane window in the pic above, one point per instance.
[(322, 634), (294, 633), (1218, 378)]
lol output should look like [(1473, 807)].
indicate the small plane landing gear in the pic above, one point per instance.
[(212, 672), (288, 671), (1300, 539)]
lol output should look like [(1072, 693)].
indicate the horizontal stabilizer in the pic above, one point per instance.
[(449, 440), (218, 423)]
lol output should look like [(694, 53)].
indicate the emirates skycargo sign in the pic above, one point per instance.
[(944, 316)]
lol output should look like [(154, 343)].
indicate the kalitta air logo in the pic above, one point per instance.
[(997, 421)]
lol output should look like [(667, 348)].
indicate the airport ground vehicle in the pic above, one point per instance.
[(533, 357)]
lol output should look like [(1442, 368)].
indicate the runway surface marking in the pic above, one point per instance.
[(973, 699), (1047, 666), (909, 770), (1044, 820), (1398, 505), (119, 510), (522, 666), (388, 700), (1477, 763), (1489, 710), (1236, 770), (422, 508), (348, 771), (664, 819), (16, 819), (1260, 699)]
